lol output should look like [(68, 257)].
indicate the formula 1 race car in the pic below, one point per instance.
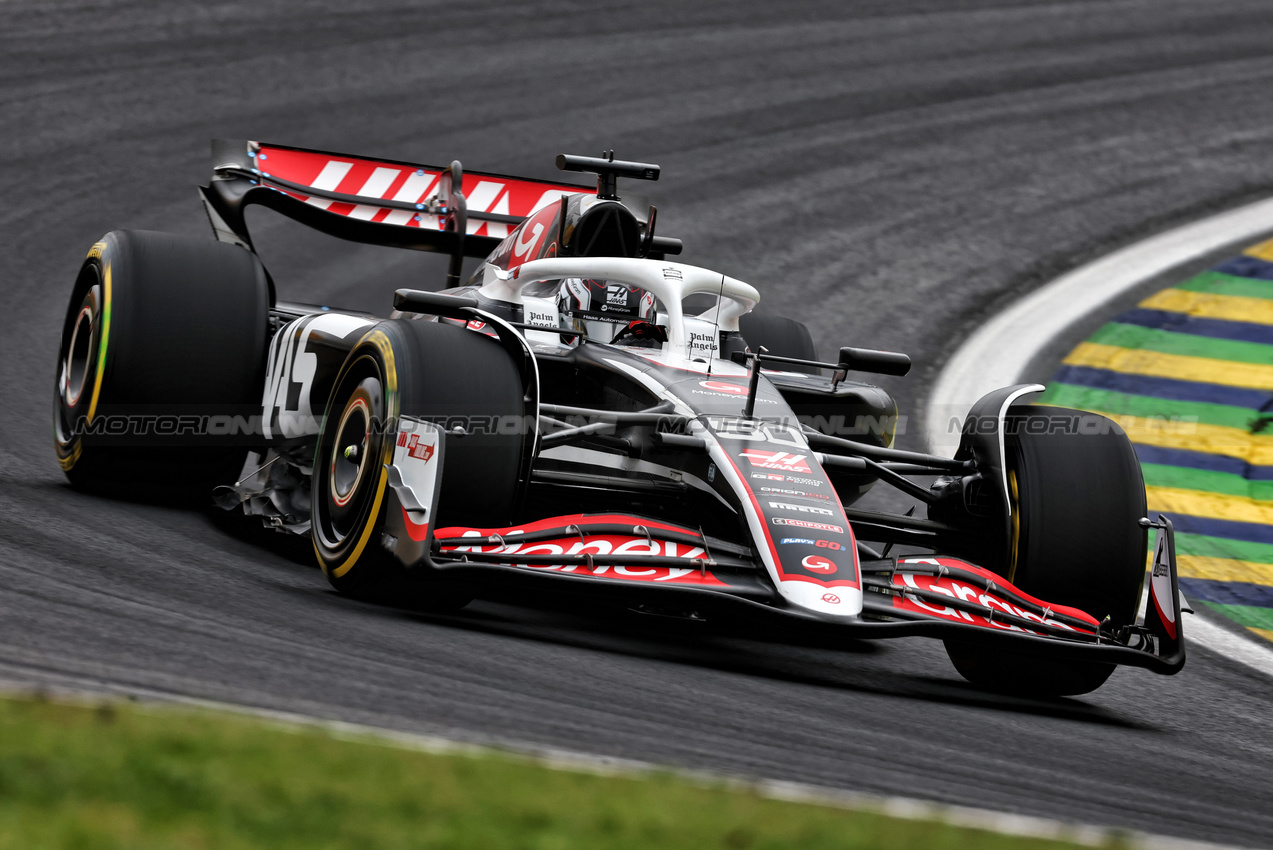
[(588, 416)]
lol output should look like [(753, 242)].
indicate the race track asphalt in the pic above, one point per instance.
[(890, 171)]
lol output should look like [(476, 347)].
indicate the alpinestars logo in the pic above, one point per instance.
[(783, 461), (807, 509)]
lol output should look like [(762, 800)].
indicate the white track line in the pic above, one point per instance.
[(997, 353), (903, 808)]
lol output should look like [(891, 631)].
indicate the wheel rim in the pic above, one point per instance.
[(349, 456), (349, 451), (80, 352), (77, 363)]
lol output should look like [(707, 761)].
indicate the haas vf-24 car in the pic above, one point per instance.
[(584, 414)]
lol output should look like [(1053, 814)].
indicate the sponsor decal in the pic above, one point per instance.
[(831, 597), (594, 544), (418, 450), (1160, 587), (523, 248), (808, 509), (817, 563), (808, 482), (617, 294), (768, 476), (804, 523), (722, 387), (828, 544), (732, 428), (534, 317), (704, 342), (784, 491), (805, 540), (673, 274), (475, 325), (711, 473), (784, 461), (994, 602)]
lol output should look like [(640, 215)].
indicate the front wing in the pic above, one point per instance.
[(643, 560)]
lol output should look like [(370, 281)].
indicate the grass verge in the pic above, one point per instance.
[(136, 776)]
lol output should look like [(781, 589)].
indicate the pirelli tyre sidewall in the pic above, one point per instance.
[(348, 492), (1074, 539), (79, 369), (161, 333), (439, 372)]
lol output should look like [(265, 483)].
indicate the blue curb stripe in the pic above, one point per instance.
[(1227, 592), (1183, 323), (1202, 460), (1245, 266), (1253, 532), (1164, 388)]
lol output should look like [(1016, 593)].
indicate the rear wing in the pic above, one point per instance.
[(378, 201)]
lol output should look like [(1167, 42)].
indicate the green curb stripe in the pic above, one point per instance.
[(1182, 478), (1184, 345), (1245, 615), (1125, 404), (1215, 283), (1203, 546)]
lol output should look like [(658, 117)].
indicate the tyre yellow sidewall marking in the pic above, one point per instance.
[(67, 463), (101, 348), (367, 528)]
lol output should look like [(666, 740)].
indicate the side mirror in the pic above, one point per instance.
[(877, 362)]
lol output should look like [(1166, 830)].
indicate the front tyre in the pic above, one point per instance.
[(1077, 495), (461, 380)]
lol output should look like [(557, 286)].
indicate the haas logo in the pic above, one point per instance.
[(831, 598), (818, 564)]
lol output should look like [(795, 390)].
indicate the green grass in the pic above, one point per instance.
[(115, 775)]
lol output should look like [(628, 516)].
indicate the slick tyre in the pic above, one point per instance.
[(782, 336), (1077, 494), (162, 335), (459, 379)]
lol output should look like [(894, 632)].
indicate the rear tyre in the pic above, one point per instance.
[(442, 373), (162, 333), (1077, 494), (781, 336)]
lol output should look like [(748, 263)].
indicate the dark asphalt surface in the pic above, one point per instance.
[(889, 171)]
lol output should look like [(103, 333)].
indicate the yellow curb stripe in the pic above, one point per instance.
[(1267, 634), (1230, 308), (1262, 251), (1212, 505), (1135, 361), (1224, 569), (1256, 450)]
